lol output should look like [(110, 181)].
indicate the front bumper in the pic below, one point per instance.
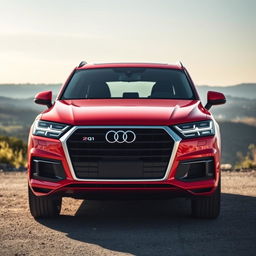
[(170, 185)]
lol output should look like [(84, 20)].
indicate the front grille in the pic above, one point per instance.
[(93, 157)]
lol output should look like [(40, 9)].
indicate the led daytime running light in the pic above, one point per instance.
[(198, 129), (49, 129)]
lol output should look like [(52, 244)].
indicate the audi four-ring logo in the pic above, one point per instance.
[(120, 136)]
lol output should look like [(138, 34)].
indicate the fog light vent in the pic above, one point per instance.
[(196, 169), (46, 169)]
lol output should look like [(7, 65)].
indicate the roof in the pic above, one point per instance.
[(131, 65)]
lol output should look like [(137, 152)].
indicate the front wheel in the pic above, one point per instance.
[(207, 207), (43, 207)]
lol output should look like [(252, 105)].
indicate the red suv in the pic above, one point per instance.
[(125, 130)]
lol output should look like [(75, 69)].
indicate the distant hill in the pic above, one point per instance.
[(235, 109), (28, 103), (236, 137), (23, 91), (12, 114), (17, 112), (16, 117), (247, 91)]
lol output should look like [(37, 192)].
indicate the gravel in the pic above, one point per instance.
[(129, 227)]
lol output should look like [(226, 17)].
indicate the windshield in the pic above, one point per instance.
[(129, 83)]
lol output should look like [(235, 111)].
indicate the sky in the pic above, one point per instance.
[(42, 41)]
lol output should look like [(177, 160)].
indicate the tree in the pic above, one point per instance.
[(249, 160)]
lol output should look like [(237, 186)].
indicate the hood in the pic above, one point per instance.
[(125, 112)]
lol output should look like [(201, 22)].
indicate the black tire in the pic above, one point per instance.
[(43, 207), (207, 207)]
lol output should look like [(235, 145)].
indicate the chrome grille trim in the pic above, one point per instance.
[(170, 132)]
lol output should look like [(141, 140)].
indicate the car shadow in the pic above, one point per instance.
[(163, 227)]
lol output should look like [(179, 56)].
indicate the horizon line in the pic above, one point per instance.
[(39, 83)]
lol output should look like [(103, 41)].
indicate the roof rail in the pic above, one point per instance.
[(179, 63), (82, 63)]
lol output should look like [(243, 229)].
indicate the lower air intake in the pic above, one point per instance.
[(196, 169)]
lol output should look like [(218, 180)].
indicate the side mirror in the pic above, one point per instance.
[(44, 98), (214, 98)]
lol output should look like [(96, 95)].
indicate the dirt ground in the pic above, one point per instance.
[(132, 227)]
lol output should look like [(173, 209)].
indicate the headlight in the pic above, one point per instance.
[(49, 129), (197, 129)]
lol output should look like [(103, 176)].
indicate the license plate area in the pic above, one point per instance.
[(120, 169)]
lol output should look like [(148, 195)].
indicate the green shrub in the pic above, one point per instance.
[(13, 151), (248, 161)]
